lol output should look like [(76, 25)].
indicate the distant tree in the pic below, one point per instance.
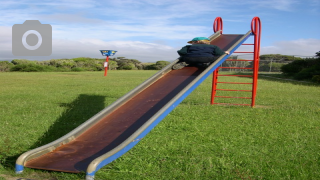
[(33, 67), (113, 65), (127, 66), (318, 54), (22, 61), (157, 66), (81, 59), (5, 66), (304, 69), (279, 57), (137, 63), (162, 64), (79, 64)]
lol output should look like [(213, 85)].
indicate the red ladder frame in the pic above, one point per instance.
[(256, 32)]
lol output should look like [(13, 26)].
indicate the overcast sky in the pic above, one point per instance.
[(152, 30)]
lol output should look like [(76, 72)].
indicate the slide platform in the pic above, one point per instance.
[(117, 128)]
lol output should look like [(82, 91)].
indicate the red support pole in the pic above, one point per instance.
[(218, 25), (214, 84), (106, 64), (256, 30)]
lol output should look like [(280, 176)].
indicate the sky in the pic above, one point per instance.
[(153, 30)]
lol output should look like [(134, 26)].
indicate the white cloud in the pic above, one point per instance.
[(281, 5), (145, 52), (151, 52), (299, 47), (5, 38), (150, 30)]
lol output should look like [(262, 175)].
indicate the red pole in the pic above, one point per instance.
[(214, 84), (218, 25), (106, 64), (256, 30)]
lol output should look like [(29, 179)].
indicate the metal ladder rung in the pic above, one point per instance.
[(233, 104), (234, 90), (233, 97), (237, 60), (237, 75), (233, 83), (233, 68)]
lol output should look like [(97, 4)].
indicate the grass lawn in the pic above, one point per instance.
[(278, 139)]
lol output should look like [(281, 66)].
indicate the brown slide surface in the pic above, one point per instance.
[(114, 128)]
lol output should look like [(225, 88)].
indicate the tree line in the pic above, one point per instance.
[(78, 64), (267, 62), (305, 69), (297, 67)]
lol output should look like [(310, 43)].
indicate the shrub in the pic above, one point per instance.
[(302, 69), (157, 66), (316, 78), (84, 59), (294, 67), (5, 66), (22, 61), (276, 67), (127, 66), (306, 73), (152, 67), (77, 69), (32, 68)]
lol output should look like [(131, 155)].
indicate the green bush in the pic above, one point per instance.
[(63, 69), (79, 59), (151, 67), (77, 69), (22, 61), (306, 73), (276, 67), (157, 66), (127, 66), (316, 78), (303, 69), (294, 67), (32, 68), (5, 66), (78, 64)]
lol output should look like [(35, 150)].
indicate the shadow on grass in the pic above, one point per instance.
[(76, 113)]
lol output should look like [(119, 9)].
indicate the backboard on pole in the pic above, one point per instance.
[(108, 52)]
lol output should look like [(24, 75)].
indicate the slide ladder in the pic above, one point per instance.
[(256, 32)]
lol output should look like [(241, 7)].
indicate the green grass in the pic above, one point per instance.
[(279, 139)]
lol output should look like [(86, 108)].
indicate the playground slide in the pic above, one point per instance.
[(120, 126)]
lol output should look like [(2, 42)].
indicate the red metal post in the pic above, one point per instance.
[(256, 30), (106, 64), (218, 25), (214, 84)]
